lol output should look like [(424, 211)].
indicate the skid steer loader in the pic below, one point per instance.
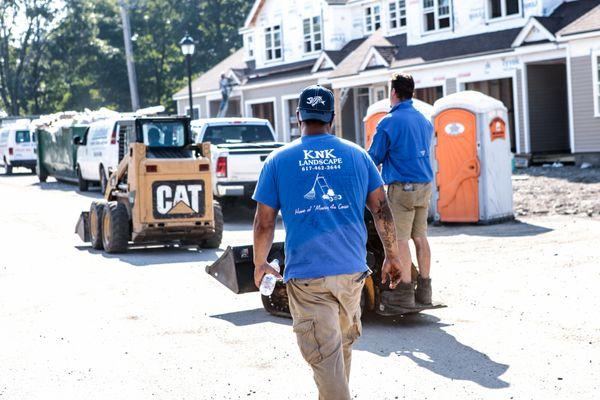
[(159, 194), (235, 270)]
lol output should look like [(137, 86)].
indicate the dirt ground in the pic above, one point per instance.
[(565, 190)]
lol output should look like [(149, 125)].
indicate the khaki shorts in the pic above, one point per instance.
[(410, 209)]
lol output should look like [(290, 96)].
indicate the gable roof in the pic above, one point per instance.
[(209, 81), (352, 65), (587, 23)]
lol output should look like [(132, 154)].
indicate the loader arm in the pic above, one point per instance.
[(116, 177)]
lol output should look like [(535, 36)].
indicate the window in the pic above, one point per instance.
[(22, 137), (372, 18), (397, 14), (238, 134), (163, 134), (503, 8), (596, 72), (436, 15), (313, 40), (273, 43), (249, 46)]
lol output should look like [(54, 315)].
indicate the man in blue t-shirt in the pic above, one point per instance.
[(402, 146), (321, 184)]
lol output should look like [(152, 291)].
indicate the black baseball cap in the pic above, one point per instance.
[(316, 103)]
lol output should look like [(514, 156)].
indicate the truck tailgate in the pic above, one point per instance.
[(245, 165)]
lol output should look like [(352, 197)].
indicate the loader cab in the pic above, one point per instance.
[(164, 137)]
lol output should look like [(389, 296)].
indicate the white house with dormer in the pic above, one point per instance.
[(540, 57)]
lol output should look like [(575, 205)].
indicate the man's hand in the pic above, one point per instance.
[(391, 271), (261, 270)]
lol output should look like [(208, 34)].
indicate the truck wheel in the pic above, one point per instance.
[(214, 241), (8, 169), (96, 214), (83, 184), (103, 180), (115, 227)]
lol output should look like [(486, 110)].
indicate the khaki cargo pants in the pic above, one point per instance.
[(410, 209), (326, 313)]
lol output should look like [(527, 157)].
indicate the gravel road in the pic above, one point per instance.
[(79, 324)]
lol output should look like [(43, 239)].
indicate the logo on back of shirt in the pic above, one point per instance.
[(325, 191), (314, 101), (320, 160)]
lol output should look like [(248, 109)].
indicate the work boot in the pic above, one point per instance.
[(423, 293), (397, 301)]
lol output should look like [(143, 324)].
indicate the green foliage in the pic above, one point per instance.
[(78, 60)]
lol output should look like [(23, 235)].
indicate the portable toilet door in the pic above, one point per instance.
[(474, 184)]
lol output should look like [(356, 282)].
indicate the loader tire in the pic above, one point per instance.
[(8, 169), (277, 304), (96, 213), (115, 227), (214, 241), (81, 183)]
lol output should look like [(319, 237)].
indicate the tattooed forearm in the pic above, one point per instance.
[(384, 222)]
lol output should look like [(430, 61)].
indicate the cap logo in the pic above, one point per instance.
[(314, 101)]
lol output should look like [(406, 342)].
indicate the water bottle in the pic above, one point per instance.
[(268, 282)]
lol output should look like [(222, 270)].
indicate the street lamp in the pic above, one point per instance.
[(187, 48)]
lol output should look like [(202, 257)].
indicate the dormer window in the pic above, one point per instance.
[(249, 46), (372, 18), (503, 8), (313, 39), (436, 15), (397, 14), (273, 43)]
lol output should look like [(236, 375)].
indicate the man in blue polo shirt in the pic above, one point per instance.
[(401, 144), (321, 184)]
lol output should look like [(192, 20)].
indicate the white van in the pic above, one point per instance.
[(17, 147), (101, 149)]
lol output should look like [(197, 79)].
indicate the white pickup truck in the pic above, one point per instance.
[(239, 147)]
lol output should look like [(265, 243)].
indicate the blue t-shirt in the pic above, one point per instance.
[(402, 144), (320, 183)]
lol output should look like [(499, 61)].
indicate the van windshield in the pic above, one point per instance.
[(22, 137), (164, 134), (238, 134)]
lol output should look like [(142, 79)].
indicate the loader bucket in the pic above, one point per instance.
[(83, 226), (235, 268)]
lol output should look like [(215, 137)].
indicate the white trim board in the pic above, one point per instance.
[(287, 134), (596, 82)]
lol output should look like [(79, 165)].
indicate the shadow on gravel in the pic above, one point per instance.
[(149, 256), (422, 339), (252, 317), (68, 187), (507, 229), (419, 337)]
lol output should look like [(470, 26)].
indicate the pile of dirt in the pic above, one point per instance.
[(566, 190)]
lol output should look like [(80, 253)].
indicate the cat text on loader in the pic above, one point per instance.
[(159, 194)]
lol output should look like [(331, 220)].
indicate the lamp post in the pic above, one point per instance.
[(187, 48)]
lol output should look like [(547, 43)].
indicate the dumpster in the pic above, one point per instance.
[(473, 159), (379, 110), (57, 152)]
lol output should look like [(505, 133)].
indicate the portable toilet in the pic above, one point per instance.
[(379, 110), (473, 159)]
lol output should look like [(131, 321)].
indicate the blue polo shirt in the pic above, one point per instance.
[(402, 145), (320, 183)]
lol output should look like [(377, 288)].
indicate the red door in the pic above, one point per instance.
[(458, 166)]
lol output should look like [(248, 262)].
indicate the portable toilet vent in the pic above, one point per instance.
[(473, 159)]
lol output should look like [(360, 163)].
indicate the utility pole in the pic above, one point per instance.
[(133, 90)]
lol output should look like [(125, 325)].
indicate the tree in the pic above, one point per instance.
[(24, 29)]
